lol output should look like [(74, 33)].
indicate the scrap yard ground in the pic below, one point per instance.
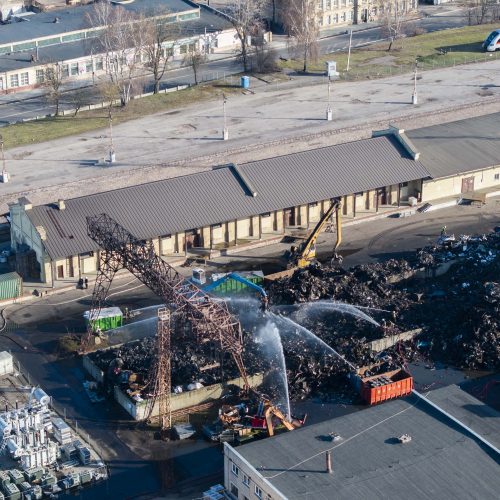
[(271, 120)]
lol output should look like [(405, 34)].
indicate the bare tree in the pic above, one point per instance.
[(121, 40), (480, 11), (53, 80), (159, 37), (393, 18), (194, 59), (245, 16), (300, 19)]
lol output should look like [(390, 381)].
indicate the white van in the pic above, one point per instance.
[(492, 43)]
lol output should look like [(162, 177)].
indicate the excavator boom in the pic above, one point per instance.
[(308, 252)]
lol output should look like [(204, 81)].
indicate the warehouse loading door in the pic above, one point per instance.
[(468, 184)]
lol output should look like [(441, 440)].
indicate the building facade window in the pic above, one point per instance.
[(234, 490), (234, 469), (497, 177), (25, 79), (65, 70), (40, 76), (88, 66), (246, 480), (74, 69), (14, 80), (99, 64), (328, 4), (1, 82), (258, 492)]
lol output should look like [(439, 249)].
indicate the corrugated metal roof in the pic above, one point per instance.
[(461, 146), (441, 461), (215, 196)]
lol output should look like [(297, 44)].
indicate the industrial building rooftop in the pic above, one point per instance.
[(442, 460), (34, 26), (464, 145)]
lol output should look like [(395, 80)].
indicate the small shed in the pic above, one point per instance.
[(107, 319), (11, 286), (6, 363)]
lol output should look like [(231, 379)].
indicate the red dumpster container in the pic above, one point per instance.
[(385, 386)]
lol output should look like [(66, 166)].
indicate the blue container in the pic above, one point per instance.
[(245, 82)]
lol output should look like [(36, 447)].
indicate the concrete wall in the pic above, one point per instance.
[(449, 186), (185, 399), (243, 476), (92, 369), (383, 344)]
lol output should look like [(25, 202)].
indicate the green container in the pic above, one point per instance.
[(11, 286), (231, 286), (108, 319)]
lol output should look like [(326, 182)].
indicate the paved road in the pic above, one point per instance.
[(14, 107)]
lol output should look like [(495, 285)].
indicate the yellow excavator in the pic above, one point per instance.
[(302, 255)]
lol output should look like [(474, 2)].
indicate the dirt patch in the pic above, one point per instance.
[(382, 61)]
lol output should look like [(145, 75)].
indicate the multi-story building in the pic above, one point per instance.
[(332, 13)]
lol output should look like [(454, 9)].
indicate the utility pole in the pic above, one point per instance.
[(112, 156), (414, 97), (5, 174), (349, 53), (225, 132), (329, 112)]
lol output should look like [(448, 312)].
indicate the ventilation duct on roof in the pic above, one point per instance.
[(244, 180), (41, 231)]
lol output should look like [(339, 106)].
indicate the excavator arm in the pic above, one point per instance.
[(307, 252)]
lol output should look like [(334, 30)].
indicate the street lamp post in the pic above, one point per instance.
[(112, 156), (5, 174), (414, 97), (329, 112), (225, 132), (349, 53)]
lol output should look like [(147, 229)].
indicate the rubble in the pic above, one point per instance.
[(451, 290)]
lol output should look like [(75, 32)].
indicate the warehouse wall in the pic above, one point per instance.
[(450, 186)]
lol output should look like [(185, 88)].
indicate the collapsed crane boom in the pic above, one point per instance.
[(210, 320)]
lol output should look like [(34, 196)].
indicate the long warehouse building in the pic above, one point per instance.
[(238, 205)]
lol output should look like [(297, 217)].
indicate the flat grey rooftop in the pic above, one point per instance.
[(464, 145), (441, 462), (480, 417), (74, 19)]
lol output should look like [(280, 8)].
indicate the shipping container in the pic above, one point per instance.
[(11, 286), (108, 318), (382, 387)]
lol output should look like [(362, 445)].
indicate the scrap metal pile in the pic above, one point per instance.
[(459, 310)]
